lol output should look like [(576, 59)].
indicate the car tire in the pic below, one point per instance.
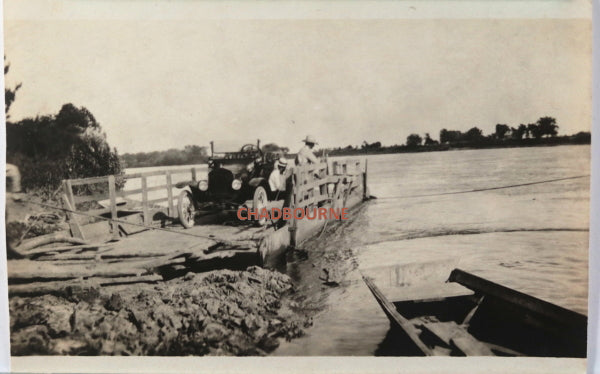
[(259, 201), (186, 209)]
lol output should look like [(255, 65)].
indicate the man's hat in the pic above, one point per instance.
[(310, 139), (281, 162)]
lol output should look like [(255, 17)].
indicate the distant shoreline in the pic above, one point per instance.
[(179, 158), (524, 143)]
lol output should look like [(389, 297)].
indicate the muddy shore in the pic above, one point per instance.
[(221, 312)]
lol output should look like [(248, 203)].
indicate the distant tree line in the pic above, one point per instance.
[(189, 155), (543, 132), (544, 127)]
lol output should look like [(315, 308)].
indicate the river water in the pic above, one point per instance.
[(531, 238)]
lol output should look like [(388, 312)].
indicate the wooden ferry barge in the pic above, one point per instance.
[(135, 237)]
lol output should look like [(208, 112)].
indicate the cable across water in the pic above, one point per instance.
[(483, 189)]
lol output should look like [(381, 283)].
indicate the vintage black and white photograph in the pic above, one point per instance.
[(185, 181)]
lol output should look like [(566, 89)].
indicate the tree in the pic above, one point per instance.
[(501, 130), (50, 148), (272, 147), (474, 135), (9, 94), (582, 137), (413, 140), (444, 136), (450, 136), (77, 120), (366, 145), (195, 151), (429, 141), (547, 126), (533, 130), (519, 132)]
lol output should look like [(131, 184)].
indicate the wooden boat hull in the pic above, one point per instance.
[(471, 316)]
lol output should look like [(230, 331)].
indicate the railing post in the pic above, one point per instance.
[(292, 223), (73, 224), (194, 174), (365, 193), (145, 210), (170, 194), (112, 194), (69, 191)]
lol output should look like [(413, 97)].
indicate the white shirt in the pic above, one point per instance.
[(305, 156), (276, 181)]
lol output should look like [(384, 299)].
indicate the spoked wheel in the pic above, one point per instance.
[(259, 202), (186, 209)]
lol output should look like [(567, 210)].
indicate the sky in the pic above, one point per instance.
[(155, 83)]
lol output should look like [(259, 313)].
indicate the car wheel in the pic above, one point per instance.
[(259, 202), (186, 209)]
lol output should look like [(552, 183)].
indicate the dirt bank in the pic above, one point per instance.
[(216, 313)]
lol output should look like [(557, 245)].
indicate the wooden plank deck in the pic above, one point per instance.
[(143, 256)]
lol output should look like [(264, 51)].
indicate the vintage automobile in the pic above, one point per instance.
[(235, 179)]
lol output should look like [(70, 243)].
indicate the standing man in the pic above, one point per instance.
[(305, 154)]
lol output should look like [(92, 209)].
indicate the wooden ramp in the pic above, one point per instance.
[(146, 257)]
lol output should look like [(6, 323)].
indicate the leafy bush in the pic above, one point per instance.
[(48, 149)]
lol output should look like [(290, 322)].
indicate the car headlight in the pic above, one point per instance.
[(203, 185), (236, 184)]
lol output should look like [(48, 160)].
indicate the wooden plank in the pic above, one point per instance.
[(194, 174), (69, 192), (145, 208), (31, 270), (160, 200), (425, 292), (390, 310), (155, 173), (364, 179), (145, 174), (156, 188), (73, 223), (171, 212), (454, 335), (180, 171), (559, 314), (176, 257), (84, 198), (104, 179), (292, 226), (112, 193), (68, 256), (124, 193), (65, 248), (317, 198), (92, 180), (40, 288), (96, 212)]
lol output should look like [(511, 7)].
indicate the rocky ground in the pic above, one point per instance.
[(218, 313)]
